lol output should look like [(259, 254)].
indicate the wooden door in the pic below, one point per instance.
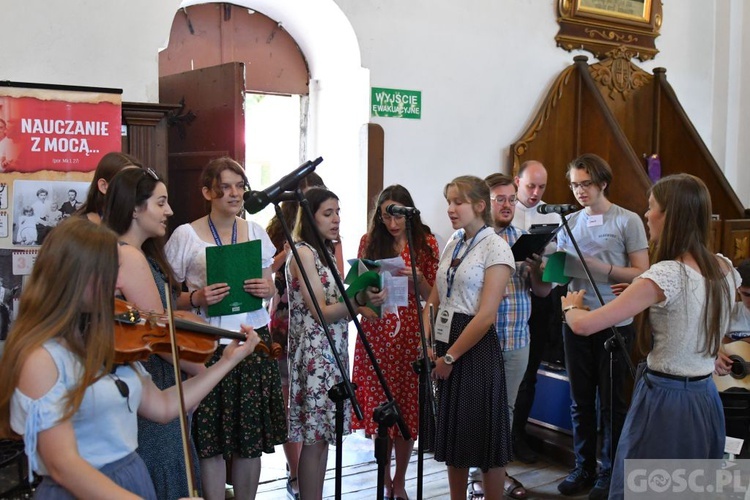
[(211, 124)]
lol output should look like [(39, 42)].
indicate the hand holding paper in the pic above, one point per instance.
[(371, 276)]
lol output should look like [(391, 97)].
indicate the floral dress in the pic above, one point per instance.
[(395, 343), (312, 367)]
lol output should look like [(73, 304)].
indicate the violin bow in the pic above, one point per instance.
[(192, 491)]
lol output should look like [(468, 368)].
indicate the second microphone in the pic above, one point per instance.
[(557, 209), (394, 209)]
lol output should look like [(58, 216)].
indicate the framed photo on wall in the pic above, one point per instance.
[(600, 26)]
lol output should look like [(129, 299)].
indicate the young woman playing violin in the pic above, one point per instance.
[(244, 416), (136, 208), (58, 386)]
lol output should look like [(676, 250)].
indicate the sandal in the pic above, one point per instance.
[(290, 494), (475, 490), (514, 488)]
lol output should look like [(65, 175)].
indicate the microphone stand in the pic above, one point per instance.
[(615, 343), (386, 414), (421, 366)]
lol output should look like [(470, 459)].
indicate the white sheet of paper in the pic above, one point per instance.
[(392, 265), (574, 269), (398, 291), (588, 248), (733, 445)]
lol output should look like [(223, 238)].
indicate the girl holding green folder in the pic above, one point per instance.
[(243, 417)]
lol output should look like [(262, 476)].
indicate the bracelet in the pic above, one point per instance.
[(610, 270), (357, 301), (191, 300), (568, 308)]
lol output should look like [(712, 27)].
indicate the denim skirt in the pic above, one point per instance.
[(129, 472), (652, 429)]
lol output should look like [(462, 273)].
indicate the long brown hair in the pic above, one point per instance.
[(380, 243), (274, 229), (108, 166), (77, 260), (127, 190), (686, 204), (304, 231)]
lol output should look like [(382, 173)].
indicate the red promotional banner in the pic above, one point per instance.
[(51, 140), (52, 132)]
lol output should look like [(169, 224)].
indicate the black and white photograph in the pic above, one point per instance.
[(38, 206), (10, 289)]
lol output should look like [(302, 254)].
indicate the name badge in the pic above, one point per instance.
[(595, 220), (443, 325)]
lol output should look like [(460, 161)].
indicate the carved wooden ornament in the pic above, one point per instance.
[(601, 26)]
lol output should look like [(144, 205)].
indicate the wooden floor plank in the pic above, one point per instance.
[(359, 475)]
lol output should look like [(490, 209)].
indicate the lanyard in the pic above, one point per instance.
[(215, 233), (455, 261)]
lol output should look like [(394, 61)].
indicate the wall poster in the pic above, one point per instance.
[(51, 139)]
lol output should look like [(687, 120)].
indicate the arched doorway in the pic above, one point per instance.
[(337, 88)]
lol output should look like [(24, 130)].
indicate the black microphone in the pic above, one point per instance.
[(557, 209), (287, 196), (255, 201), (394, 209)]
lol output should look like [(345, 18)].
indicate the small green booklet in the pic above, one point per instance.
[(233, 264), (362, 274)]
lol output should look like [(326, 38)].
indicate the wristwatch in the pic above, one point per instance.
[(449, 360)]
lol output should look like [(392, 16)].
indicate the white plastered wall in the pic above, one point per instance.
[(482, 66)]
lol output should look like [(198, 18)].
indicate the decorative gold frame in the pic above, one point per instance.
[(601, 26)]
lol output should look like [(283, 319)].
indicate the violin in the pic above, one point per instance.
[(138, 335)]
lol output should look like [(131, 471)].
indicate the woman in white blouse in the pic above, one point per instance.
[(244, 416), (687, 295)]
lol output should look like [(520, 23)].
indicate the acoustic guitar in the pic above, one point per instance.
[(739, 376)]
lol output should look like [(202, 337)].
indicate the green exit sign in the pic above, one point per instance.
[(396, 103)]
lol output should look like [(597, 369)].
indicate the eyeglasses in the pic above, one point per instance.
[(500, 200), (388, 217), (583, 185), (123, 388)]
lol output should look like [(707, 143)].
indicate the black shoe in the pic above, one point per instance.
[(522, 451), (577, 481), (600, 491)]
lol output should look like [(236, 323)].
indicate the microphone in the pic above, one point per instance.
[(287, 196), (255, 201), (557, 209), (394, 209)]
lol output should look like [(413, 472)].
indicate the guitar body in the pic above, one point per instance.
[(739, 377)]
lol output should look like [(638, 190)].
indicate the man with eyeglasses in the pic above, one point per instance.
[(512, 319), (531, 182), (614, 245)]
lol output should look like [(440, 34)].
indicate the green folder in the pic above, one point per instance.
[(554, 270), (233, 264), (359, 266), (361, 282)]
